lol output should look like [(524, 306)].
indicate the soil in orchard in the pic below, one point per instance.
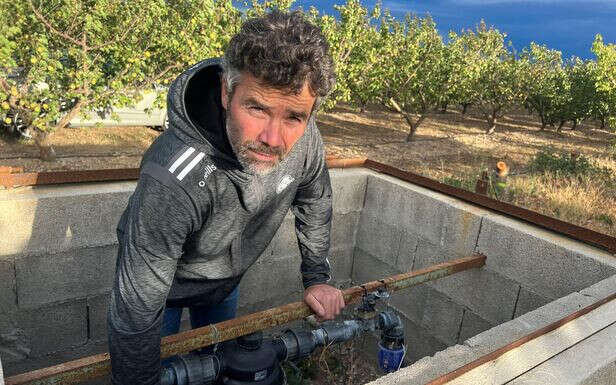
[(447, 146)]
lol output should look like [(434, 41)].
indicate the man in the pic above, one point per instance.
[(242, 148)]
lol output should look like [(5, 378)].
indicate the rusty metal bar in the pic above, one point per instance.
[(11, 177), (583, 234), (517, 343), (345, 162), (76, 371), (60, 177)]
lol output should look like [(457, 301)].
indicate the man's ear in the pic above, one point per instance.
[(224, 100)]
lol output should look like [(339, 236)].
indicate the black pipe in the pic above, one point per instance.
[(249, 359)]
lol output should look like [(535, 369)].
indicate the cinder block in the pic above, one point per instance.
[(419, 342), (348, 189), (440, 219), (601, 289), (448, 224), (8, 298), (528, 301), (97, 317), (488, 294), (442, 317), (76, 273), (14, 345), (407, 250), (412, 302), (341, 261), (517, 328), (379, 239), (344, 228), (386, 200), (268, 281), (472, 324), (549, 264), (49, 219), (368, 268), (56, 327), (284, 243), (587, 362)]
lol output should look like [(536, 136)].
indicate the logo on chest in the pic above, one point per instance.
[(208, 170), (284, 182)]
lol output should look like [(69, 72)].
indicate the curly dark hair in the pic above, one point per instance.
[(283, 50)]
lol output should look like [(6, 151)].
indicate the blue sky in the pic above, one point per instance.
[(567, 25)]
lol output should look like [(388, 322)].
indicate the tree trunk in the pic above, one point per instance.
[(413, 125), (43, 142), (543, 124), (465, 108), (575, 123), (560, 126), (492, 121), (491, 124), (444, 107), (602, 122)]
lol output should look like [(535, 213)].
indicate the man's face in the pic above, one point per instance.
[(263, 123)]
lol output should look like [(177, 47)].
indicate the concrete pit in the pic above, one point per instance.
[(58, 260)]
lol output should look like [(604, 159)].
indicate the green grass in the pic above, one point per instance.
[(565, 164)]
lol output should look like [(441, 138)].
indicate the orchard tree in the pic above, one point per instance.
[(259, 8), (543, 81), (605, 82), (582, 89), (354, 47), (460, 80), (492, 73), (409, 68), (99, 53)]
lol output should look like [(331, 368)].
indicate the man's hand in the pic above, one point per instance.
[(326, 301)]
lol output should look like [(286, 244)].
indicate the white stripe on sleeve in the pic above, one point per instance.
[(181, 159), (191, 165)]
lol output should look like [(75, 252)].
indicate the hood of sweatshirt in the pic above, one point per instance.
[(195, 111)]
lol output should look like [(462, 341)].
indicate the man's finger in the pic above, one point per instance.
[(315, 305)]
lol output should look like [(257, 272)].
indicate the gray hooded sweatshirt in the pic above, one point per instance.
[(197, 221)]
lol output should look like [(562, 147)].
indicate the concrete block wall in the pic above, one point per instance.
[(56, 268), (591, 362), (405, 227), (56, 271)]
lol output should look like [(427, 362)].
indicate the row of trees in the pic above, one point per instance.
[(407, 67), (100, 53)]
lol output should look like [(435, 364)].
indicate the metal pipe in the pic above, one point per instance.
[(83, 369)]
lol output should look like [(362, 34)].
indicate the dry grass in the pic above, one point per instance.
[(588, 201), (453, 148)]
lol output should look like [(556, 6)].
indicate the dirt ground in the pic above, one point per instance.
[(447, 145)]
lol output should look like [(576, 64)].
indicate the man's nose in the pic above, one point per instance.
[(270, 134)]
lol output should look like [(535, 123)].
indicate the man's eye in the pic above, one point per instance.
[(256, 108)]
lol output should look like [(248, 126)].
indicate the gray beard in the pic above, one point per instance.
[(242, 150)]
